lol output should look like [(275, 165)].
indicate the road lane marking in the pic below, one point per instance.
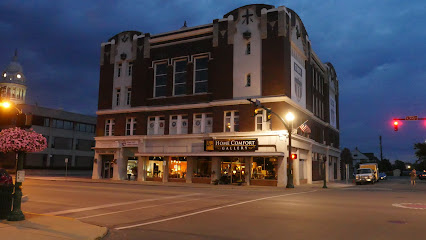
[(360, 188), (116, 204), (128, 210), (417, 206), (209, 210)]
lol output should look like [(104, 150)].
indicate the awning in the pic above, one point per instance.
[(211, 154)]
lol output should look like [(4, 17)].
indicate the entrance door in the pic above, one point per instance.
[(107, 169)]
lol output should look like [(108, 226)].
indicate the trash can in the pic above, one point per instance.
[(6, 197)]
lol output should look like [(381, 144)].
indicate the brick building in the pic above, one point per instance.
[(174, 104)]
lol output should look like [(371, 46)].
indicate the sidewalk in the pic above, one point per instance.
[(44, 227), (315, 184)]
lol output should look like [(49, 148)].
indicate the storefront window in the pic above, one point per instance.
[(233, 170), (264, 168), (155, 166), (202, 168), (132, 167), (177, 167)]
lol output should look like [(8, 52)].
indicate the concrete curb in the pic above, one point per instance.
[(46, 227)]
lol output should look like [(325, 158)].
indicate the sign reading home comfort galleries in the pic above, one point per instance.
[(231, 145)]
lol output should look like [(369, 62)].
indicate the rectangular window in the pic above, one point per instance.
[(117, 96), (179, 79), (248, 80), (261, 121), (203, 123), (178, 124), (160, 89), (248, 48), (156, 125), (68, 125), (109, 127), (46, 122), (129, 96), (119, 70), (130, 68), (201, 75), (297, 69), (232, 121), (58, 123), (130, 126)]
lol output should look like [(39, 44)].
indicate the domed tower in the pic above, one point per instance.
[(12, 82)]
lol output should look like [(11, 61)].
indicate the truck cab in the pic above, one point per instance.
[(364, 175)]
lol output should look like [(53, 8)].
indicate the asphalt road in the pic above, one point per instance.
[(390, 209)]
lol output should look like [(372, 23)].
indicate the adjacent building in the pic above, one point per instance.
[(173, 106), (69, 135)]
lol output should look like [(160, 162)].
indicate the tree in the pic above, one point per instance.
[(385, 165), (399, 165), (421, 155), (346, 158)]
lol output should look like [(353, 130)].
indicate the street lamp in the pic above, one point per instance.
[(289, 117), (16, 214)]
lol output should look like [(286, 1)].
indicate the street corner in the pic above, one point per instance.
[(38, 226)]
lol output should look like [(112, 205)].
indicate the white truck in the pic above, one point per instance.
[(374, 167), (364, 175)]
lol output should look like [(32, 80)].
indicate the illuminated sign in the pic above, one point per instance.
[(231, 145)]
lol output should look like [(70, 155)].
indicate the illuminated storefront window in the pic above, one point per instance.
[(233, 169), (177, 167), (155, 167), (264, 168), (132, 168)]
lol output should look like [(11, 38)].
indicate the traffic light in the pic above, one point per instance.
[(268, 115), (293, 156), (395, 126)]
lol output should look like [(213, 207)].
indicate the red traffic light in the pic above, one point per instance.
[(293, 156), (395, 125)]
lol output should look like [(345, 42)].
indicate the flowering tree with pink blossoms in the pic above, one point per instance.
[(21, 140)]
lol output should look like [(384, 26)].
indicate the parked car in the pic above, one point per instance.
[(382, 176), (364, 175), (422, 176), (5, 178)]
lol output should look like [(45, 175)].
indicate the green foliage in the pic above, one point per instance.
[(421, 155), (385, 165), (346, 157), (399, 165)]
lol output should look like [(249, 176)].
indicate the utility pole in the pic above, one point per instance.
[(381, 152)]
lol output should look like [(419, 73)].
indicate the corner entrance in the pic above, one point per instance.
[(233, 170)]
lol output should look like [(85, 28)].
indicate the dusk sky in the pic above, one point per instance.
[(375, 46)]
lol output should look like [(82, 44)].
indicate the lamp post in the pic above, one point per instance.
[(324, 171), (16, 214), (289, 117)]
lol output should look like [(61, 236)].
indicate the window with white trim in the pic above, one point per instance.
[(179, 77), (231, 121), (160, 79), (130, 126), (117, 96), (130, 69), (203, 123), (109, 127), (156, 125), (129, 96), (201, 74), (262, 123), (178, 124)]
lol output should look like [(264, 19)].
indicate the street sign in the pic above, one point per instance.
[(20, 176), (411, 118)]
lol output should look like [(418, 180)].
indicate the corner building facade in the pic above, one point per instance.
[(173, 106)]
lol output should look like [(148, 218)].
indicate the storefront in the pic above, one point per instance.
[(154, 169), (132, 168), (202, 170), (177, 169), (264, 171)]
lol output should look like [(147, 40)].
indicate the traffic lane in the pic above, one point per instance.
[(334, 213)]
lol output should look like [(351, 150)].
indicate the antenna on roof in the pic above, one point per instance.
[(184, 25)]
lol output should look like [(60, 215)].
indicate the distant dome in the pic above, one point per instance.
[(13, 73), (14, 67)]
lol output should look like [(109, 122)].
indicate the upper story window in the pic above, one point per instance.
[(201, 74), (130, 69), (160, 78), (130, 126), (248, 80), (109, 127), (56, 123), (68, 125), (119, 70), (129, 96), (46, 122), (262, 123), (82, 127), (248, 48), (203, 123), (179, 78), (117, 96), (232, 121), (156, 125), (178, 124)]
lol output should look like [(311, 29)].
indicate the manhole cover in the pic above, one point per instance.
[(420, 206), (398, 222)]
